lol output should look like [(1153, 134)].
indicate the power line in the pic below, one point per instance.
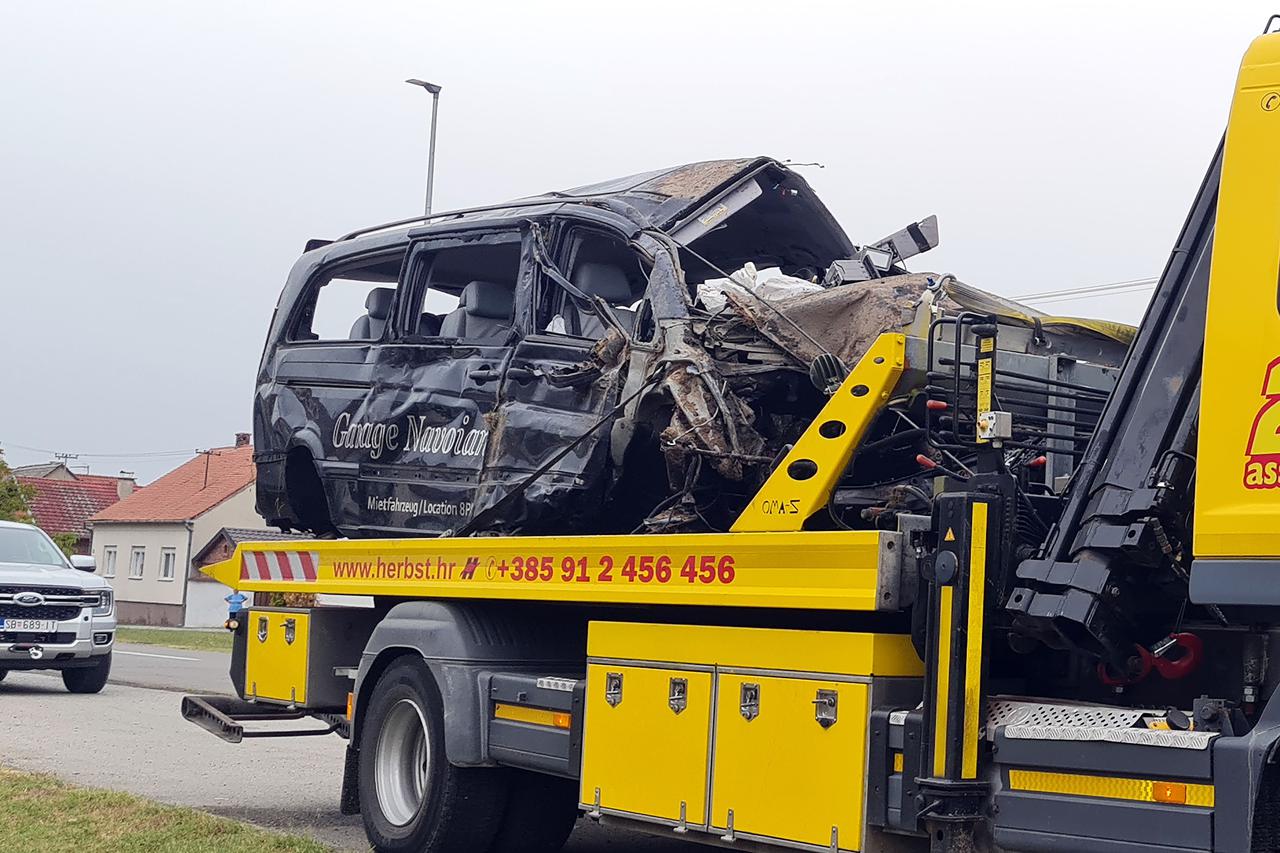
[(1140, 290), (1128, 285), (150, 454)]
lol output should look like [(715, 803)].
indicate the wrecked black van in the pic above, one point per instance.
[(625, 356)]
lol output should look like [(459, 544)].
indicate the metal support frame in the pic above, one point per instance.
[(953, 792), (802, 482)]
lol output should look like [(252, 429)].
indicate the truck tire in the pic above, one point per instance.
[(89, 679), (411, 797), (541, 813)]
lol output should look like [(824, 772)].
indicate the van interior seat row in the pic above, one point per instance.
[(377, 306), (485, 310), (609, 282)]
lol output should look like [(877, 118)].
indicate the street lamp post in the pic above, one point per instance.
[(431, 153)]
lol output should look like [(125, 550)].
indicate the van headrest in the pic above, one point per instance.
[(489, 300), (607, 281), (378, 303)]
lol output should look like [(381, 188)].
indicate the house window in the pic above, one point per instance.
[(109, 561), (137, 556), (168, 557)]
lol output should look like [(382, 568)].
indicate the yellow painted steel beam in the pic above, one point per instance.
[(973, 637), (779, 649), (838, 570), (802, 483), (942, 682)]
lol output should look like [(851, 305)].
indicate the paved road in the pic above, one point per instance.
[(131, 738), (171, 669)]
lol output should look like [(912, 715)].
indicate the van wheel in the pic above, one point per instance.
[(411, 797), (89, 679), (541, 813)]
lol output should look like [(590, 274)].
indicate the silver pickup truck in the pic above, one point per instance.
[(54, 613)]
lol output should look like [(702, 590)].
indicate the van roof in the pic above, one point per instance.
[(655, 199)]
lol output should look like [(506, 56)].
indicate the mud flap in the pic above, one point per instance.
[(349, 799)]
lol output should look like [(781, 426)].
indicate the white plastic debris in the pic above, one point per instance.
[(769, 284)]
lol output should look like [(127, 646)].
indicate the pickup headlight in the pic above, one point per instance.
[(105, 599)]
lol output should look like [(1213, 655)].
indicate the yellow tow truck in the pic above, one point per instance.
[(1082, 666)]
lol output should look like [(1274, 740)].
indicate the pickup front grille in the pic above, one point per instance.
[(57, 612), (58, 639), (60, 602)]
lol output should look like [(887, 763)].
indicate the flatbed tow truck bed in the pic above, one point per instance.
[(1028, 665)]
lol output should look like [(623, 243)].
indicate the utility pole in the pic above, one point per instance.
[(431, 152)]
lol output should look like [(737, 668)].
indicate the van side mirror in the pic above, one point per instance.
[(83, 562)]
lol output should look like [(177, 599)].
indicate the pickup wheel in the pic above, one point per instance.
[(89, 679), (541, 813), (411, 797)]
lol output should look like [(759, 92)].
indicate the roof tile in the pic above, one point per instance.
[(64, 506), (189, 490)]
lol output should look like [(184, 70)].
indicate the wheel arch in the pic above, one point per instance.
[(462, 644)]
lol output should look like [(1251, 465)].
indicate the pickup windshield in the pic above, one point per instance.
[(28, 545)]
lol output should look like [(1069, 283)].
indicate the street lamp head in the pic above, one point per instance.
[(430, 87)]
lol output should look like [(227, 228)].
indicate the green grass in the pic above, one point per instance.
[(200, 641), (40, 813)]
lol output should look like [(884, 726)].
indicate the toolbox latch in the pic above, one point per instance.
[(613, 689), (290, 630), (678, 694), (749, 700), (824, 708), (262, 629)]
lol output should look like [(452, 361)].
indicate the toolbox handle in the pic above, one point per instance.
[(749, 700)]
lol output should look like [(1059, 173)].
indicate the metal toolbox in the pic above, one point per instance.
[(747, 733), (291, 654)]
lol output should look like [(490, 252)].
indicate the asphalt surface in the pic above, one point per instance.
[(131, 738)]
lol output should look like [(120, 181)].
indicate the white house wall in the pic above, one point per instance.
[(151, 600), (154, 537), (205, 605)]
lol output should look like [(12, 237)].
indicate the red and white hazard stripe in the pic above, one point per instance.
[(279, 565)]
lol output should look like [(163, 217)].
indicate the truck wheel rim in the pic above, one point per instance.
[(402, 763)]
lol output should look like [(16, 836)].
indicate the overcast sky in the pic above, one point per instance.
[(162, 164)]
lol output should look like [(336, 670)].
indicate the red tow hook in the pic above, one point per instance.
[(1140, 666), (1190, 652), (1174, 657)]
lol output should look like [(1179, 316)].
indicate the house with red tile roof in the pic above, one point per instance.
[(146, 542), (64, 501)]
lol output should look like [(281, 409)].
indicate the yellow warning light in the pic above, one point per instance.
[(351, 704)]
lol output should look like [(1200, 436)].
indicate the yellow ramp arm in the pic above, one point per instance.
[(802, 483), (838, 570)]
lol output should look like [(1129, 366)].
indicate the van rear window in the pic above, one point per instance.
[(351, 303)]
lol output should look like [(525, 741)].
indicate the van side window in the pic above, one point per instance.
[(599, 265), (350, 303), (467, 292)]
